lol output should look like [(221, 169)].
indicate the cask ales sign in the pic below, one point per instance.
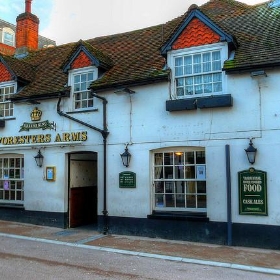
[(252, 192)]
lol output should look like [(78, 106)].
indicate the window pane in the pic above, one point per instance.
[(191, 201), (178, 71), (159, 187), (159, 200), (158, 159), (201, 201), (200, 157), (201, 187), (178, 61), (83, 78), (190, 187), (168, 158), (189, 156), (179, 82), (168, 172), (190, 172), (77, 79), (180, 200)]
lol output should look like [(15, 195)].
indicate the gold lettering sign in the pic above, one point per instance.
[(44, 138)]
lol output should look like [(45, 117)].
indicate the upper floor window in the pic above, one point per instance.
[(8, 36), (198, 72), (81, 80), (6, 107)]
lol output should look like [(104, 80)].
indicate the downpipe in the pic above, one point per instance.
[(104, 132)]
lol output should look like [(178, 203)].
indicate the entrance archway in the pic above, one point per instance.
[(82, 202)]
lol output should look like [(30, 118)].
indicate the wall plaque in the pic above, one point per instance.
[(127, 179), (252, 192)]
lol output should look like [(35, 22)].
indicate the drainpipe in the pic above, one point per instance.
[(104, 132), (229, 214)]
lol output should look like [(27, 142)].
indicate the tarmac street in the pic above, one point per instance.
[(79, 252)]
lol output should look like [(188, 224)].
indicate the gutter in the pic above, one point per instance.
[(104, 132)]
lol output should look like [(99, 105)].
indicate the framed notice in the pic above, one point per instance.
[(252, 192), (50, 173), (127, 180)]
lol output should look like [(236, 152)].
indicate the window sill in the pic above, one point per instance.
[(11, 205), (213, 101), (83, 111), (179, 216)]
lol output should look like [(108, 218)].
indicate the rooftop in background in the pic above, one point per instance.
[(11, 30)]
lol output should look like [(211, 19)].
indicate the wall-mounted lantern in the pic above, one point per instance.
[(126, 156), (251, 152), (39, 158)]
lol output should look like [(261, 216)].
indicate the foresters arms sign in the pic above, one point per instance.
[(35, 117), (44, 138), (252, 192)]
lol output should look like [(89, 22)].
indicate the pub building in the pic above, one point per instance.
[(170, 131)]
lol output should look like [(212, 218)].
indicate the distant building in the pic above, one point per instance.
[(183, 103), (10, 34)]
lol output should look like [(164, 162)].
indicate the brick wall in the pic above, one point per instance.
[(6, 49), (27, 31)]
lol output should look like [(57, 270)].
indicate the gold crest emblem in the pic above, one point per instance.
[(36, 114)]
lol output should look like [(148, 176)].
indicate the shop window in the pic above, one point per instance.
[(6, 107), (11, 179), (179, 181), (80, 82)]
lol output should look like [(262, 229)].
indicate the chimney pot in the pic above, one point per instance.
[(28, 6)]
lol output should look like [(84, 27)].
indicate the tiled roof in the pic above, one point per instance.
[(135, 57), (257, 29)]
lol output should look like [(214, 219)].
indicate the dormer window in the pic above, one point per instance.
[(8, 36), (81, 80), (198, 71)]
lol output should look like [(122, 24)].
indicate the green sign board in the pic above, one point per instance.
[(127, 179), (252, 192)]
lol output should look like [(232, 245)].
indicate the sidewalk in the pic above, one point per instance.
[(262, 258)]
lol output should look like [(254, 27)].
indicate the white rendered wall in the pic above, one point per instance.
[(142, 121)]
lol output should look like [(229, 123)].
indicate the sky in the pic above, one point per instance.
[(71, 20)]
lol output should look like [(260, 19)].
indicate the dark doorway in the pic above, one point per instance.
[(82, 189)]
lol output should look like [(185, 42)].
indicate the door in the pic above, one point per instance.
[(82, 189)]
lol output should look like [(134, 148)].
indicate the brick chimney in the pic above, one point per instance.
[(27, 31)]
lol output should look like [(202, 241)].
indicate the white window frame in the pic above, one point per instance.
[(186, 189), (9, 31), (12, 179), (7, 105), (222, 47), (71, 77)]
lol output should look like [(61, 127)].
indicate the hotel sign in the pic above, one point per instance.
[(252, 192)]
